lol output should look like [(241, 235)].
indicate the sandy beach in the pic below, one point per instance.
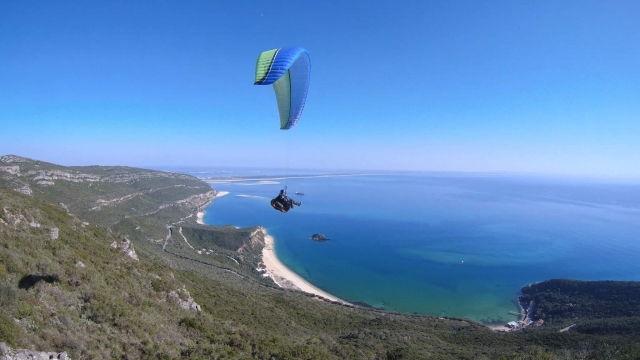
[(499, 327), (280, 274), (202, 212), (273, 180), (284, 277)]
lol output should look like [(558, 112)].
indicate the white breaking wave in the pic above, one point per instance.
[(262, 182), (253, 196)]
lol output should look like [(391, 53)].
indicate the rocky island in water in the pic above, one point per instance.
[(319, 237)]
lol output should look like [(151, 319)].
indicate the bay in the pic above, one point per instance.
[(441, 244)]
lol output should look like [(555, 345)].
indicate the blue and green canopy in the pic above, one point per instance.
[(288, 69)]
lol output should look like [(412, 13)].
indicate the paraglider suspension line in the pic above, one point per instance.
[(286, 155)]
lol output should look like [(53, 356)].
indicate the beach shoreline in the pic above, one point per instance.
[(274, 178), (284, 277), (275, 269), (287, 279), (504, 328), (201, 212)]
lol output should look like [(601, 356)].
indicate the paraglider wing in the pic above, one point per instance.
[(288, 69)]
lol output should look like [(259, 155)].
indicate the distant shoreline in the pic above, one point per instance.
[(266, 178), (201, 212)]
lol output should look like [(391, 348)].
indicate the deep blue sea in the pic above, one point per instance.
[(438, 244)]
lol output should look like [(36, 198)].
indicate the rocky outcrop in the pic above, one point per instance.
[(12, 169), (62, 205), (18, 221), (192, 202), (53, 233), (12, 174), (126, 247), (184, 299), (11, 219), (21, 354), (319, 237), (256, 240), (198, 201), (47, 177), (14, 159), (127, 178), (25, 190)]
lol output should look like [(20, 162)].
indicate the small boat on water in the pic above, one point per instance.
[(299, 193)]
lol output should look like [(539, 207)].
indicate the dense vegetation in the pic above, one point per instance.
[(596, 307), (77, 293), (138, 202)]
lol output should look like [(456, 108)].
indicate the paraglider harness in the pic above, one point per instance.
[(282, 202)]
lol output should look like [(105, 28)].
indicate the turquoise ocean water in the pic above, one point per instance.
[(446, 245)]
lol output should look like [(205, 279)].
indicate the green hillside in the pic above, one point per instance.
[(137, 202), (592, 307), (194, 291)]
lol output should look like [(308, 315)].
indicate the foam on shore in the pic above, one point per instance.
[(202, 212), (283, 276)]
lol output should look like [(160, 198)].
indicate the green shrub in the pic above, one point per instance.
[(7, 296), (160, 285), (189, 323), (8, 330), (11, 265), (24, 310)]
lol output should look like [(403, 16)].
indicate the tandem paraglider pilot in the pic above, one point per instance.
[(288, 69), (283, 203)]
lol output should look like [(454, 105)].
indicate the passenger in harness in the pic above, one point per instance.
[(283, 203)]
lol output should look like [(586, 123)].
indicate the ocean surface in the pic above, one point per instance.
[(441, 244)]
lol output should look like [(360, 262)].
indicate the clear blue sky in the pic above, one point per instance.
[(492, 86)]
